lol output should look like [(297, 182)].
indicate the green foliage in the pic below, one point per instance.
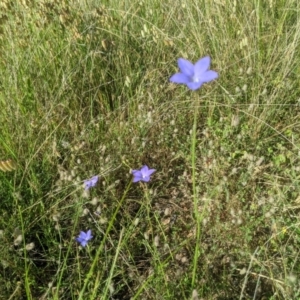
[(85, 91)]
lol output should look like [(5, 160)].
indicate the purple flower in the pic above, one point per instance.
[(194, 75), (84, 237), (90, 182), (143, 174)]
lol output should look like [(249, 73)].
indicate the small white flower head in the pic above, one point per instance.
[(85, 212), (195, 295), (244, 88), (94, 201), (29, 246), (235, 120), (146, 236), (18, 240)]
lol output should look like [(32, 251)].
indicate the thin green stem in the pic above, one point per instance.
[(195, 199), (110, 225), (26, 279)]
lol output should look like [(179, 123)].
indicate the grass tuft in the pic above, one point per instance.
[(85, 91)]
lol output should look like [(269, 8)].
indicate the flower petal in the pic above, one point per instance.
[(137, 179), (180, 78), (144, 169), (83, 243), (186, 67), (82, 234), (194, 85), (201, 66), (88, 183), (137, 175), (150, 171), (94, 180), (89, 234), (208, 76)]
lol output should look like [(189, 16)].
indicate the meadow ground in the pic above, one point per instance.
[(85, 91)]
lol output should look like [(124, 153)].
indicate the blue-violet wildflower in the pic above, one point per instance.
[(143, 174), (194, 75), (90, 182), (83, 237)]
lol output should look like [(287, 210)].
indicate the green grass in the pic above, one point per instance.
[(85, 90)]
